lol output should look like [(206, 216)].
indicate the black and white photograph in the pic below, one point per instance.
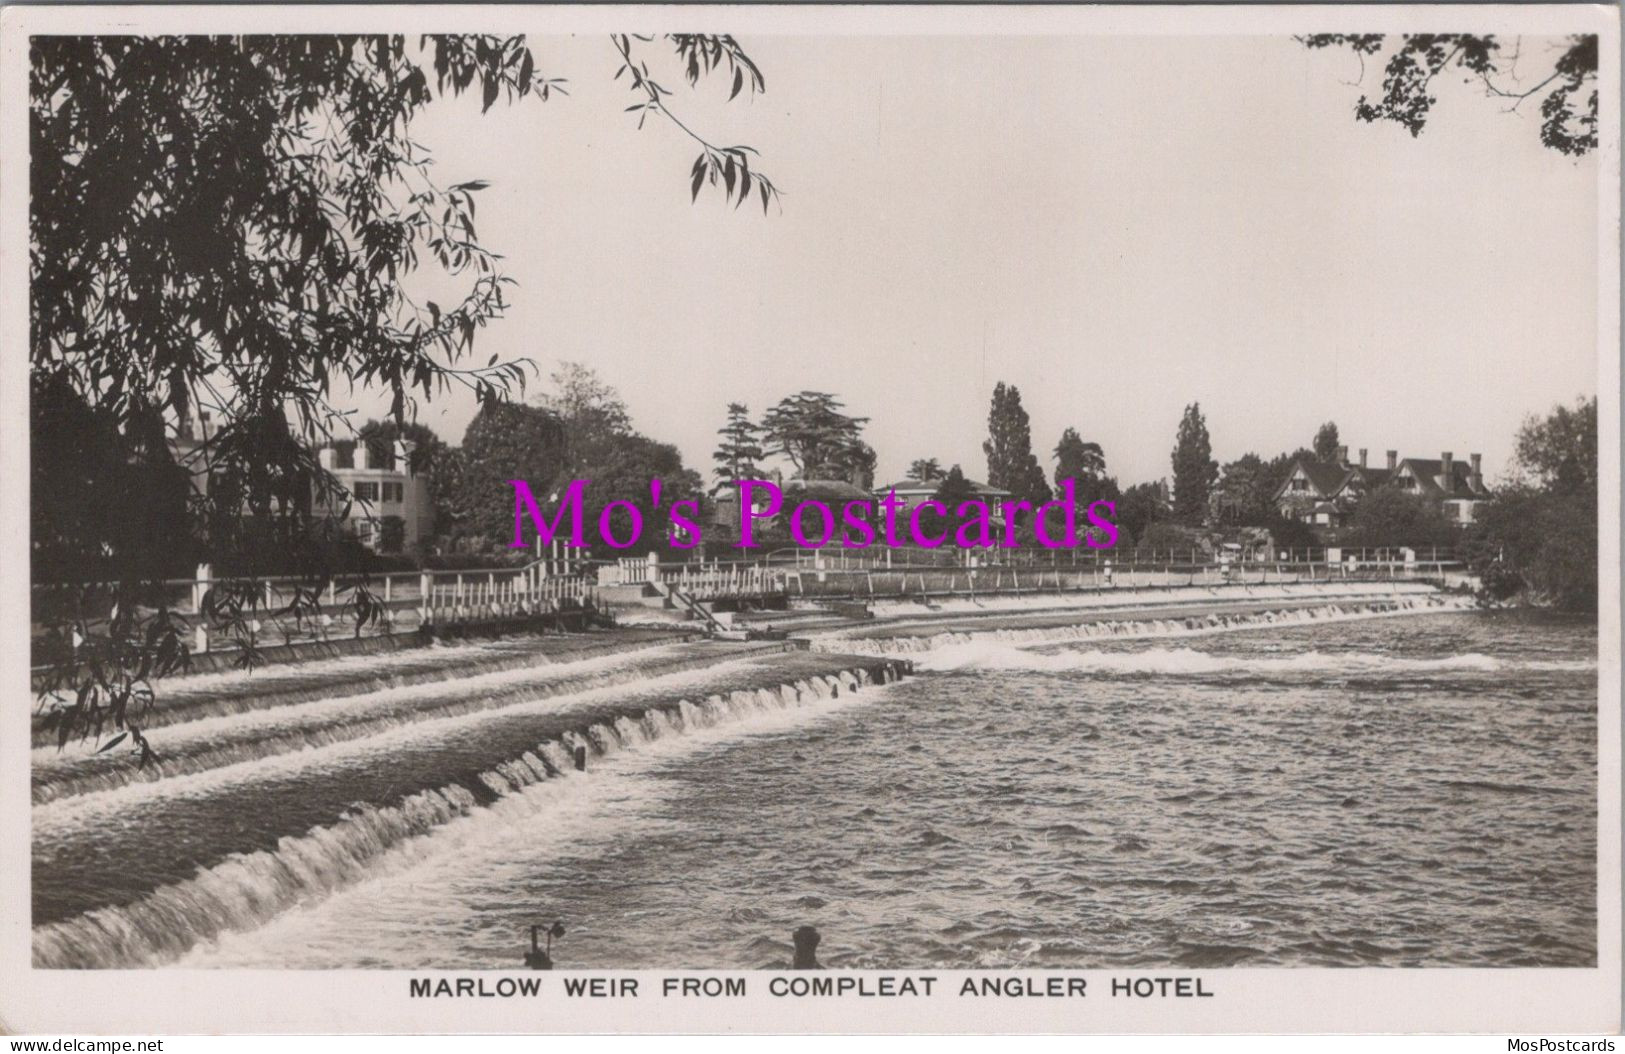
[(852, 512)]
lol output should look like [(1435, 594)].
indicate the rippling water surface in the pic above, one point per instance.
[(1416, 791)]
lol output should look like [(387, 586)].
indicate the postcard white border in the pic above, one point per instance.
[(1249, 1000)]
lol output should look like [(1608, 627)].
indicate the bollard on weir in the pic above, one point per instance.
[(581, 759)]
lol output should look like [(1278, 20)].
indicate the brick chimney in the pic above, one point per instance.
[(1362, 457), (1447, 471), (1478, 471), (1393, 460), (403, 455), (1342, 455), (327, 457)]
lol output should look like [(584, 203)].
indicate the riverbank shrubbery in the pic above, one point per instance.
[(1537, 541), (1389, 518), (1540, 546)]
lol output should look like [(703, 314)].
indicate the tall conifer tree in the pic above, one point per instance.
[(738, 456), (1195, 471), (1011, 464)]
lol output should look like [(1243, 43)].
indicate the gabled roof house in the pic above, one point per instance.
[(1325, 493)]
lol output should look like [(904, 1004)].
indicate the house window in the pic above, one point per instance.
[(366, 492), (394, 492)]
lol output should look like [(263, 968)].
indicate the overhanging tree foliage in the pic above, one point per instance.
[(1566, 86), (233, 226)]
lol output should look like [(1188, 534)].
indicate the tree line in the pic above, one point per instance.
[(1536, 539), (234, 224)]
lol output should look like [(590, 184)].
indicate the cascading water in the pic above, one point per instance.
[(266, 814), (1258, 799), (1099, 796), (245, 731), (1105, 629), (246, 889)]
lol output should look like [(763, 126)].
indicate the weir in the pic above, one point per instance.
[(191, 698), (900, 641), (261, 726), (228, 857), (282, 796)]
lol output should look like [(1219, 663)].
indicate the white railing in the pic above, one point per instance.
[(407, 601), (461, 596), (732, 580), (700, 581), (627, 571)]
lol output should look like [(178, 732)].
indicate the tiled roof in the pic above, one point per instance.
[(1326, 477), (1371, 477), (1427, 471), (1330, 479)]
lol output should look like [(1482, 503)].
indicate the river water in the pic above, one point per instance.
[(1411, 791)]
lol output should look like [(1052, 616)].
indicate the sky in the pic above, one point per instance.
[(1117, 226)]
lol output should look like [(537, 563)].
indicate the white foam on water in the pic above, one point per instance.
[(103, 805), (189, 685), (214, 741), (248, 889), (414, 901), (1178, 662), (1143, 628), (1137, 597)]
